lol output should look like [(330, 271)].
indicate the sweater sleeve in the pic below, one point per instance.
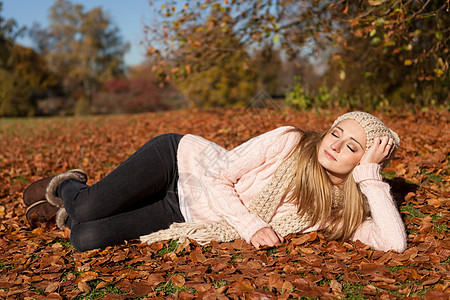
[(230, 167), (385, 229)]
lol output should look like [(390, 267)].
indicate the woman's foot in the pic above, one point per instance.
[(42, 201)]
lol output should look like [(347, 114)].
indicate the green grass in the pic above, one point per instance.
[(171, 247), (272, 251), (404, 285), (21, 127), (20, 179), (352, 290), (206, 249), (64, 242), (6, 266), (65, 274), (396, 268), (416, 213), (442, 227), (219, 283), (166, 287), (388, 175), (100, 293), (169, 288), (432, 177), (413, 212), (34, 289), (234, 257)]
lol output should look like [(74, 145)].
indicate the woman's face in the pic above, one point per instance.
[(341, 149)]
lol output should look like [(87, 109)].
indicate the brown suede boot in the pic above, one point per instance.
[(42, 202)]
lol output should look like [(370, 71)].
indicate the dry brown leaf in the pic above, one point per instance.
[(52, 287), (87, 276), (335, 286), (197, 256), (177, 280), (301, 240), (155, 279), (275, 281), (84, 287), (101, 285)]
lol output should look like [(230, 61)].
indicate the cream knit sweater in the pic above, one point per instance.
[(264, 205), (220, 185)]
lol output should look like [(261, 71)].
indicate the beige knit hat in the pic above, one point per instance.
[(371, 125)]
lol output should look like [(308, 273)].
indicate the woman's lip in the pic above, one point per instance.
[(329, 155)]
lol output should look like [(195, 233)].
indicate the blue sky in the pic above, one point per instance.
[(128, 15)]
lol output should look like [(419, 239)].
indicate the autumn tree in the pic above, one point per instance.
[(9, 31), (270, 68), (398, 52), (26, 81), (24, 76), (83, 47), (405, 37), (138, 92), (13, 91), (210, 65)]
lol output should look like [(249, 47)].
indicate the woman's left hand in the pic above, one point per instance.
[(266, 236), (379, 151)]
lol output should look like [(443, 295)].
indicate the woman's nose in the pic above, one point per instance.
[(336, 146)]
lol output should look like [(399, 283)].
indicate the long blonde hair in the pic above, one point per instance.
[(339, 212)]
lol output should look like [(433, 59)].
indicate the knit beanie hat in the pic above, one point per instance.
[(372, 126)]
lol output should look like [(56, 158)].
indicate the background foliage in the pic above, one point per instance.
[(368, 54), (83, 48), (365, 53)]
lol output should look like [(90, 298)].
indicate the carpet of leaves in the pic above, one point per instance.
[(41, 263)]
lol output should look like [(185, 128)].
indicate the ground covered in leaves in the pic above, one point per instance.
[(41, 263)]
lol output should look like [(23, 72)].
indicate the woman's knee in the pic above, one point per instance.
[(85, 238), (77, 212), (78, 201), (85, 207)]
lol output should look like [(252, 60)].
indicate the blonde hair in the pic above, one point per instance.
[(340, 213)]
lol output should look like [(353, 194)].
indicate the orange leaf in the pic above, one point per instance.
[(275, 281), (197, 256), (434, 202), (245, 285), (84, 287), (177, 280), (301, 240), (155, 278)]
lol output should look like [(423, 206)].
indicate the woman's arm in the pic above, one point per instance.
[(229, 169), (385, 229)]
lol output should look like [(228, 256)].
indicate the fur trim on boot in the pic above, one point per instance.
[(61, 218), (39, 209), (50, 193)]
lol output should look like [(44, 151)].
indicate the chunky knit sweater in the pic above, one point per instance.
[(216, 185)]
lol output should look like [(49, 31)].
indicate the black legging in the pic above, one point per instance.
[(137, 198)]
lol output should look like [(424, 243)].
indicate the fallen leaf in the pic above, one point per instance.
[(84, 287), (52, 287), (177, 280), (155, 279)]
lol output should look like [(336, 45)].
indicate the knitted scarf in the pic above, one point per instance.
[(264, 205)]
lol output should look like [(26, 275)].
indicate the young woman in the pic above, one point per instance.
[(284, 181)]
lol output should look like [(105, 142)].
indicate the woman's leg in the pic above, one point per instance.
[(132, 224), (135, 183)]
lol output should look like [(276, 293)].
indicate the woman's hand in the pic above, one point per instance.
[(266, 237), (379, 151)]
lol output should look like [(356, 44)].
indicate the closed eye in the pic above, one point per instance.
[(351, 149)]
